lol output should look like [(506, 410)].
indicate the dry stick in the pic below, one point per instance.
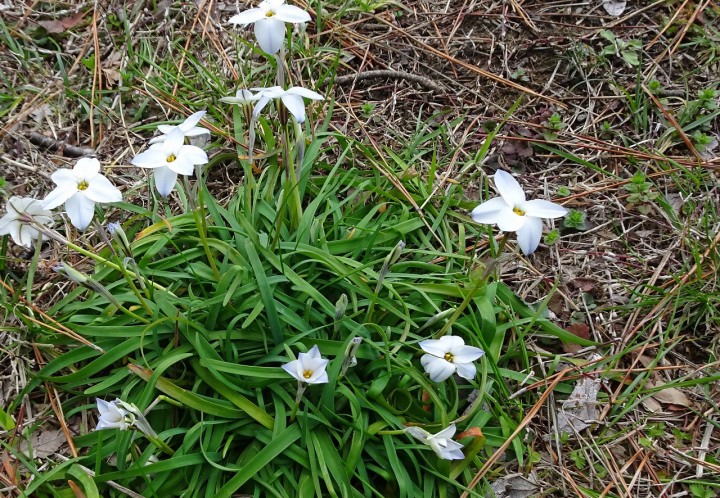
[(622, 469), (55, 403), (97, 77), (667, 26), (471, 67), (525, 421), (700, 8), (521, 12), (61, 146), (60, 328), (673, 122), (388, 73)]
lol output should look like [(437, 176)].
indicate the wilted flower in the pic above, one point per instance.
[(441, 443), (448, 355), (512, 213), (242, 97), (187, 128), (112, 416), (121, 415), (21, 212), (79, 189), (170, 158), (309, 367), (292, 98), (270, 18)]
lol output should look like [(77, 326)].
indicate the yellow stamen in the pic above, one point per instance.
[(518, 211), (83, 185), (307, 374), (449, 357), (269, 13), (171, 158)]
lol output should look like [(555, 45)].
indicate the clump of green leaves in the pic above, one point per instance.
[(563, 191), (575, 220), (551, 237), (629, 50), (553, 125), (641, 193)]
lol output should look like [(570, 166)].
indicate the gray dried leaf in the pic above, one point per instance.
[(580, 410), (614, 7)]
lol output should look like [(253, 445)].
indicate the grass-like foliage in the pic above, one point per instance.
[(216, 299)]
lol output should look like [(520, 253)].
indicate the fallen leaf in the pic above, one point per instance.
[(514, 486), (62, 25), (471, 432), (43, 443), (614, 7), (584, 284), (580, 410), (669, 395)]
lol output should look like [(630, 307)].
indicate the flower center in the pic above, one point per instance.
[(171, 158), (269, 13), (307, 374), (518, 211), (83, 185), (449, 357)]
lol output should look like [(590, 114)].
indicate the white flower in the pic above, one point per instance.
[(170, 158), (448, 355), (292, 98), (187, 127), (113, 416), (270, 18), (512, 213), (79, 189), (309, 367), (242, 97), (21, 212), (441, 443)]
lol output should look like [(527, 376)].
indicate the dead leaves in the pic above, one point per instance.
[(57, 26)]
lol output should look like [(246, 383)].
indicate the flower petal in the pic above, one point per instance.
[(540, 208), (80, 209), (314, 352), (182, 166), (270, 34), (247, 16), (489, 212), (290, 13), (466, 354), (65, 176), (292, 368), (295, 105), (260, 106), (165, 179), (447, 433), (151, 158), (465, 370), (511, 222), (101, 190), (165, 129), (434, 346), (304, 92), (195, 154), (529, 235), (173, 141), (438, 369), (59, 196), (191, 121), (509, 188), (197, 131), (452, 342), (86, 168)]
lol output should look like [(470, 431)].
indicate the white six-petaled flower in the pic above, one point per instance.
[(441, 443), (21, 212), (170, 158), (112, 416), (448, 355), (309, 367), (79, 189), (187, 127), (512, 213), (269, 18), (292, 98)]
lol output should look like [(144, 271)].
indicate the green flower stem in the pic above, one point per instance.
[(162, 445), (298, 397), (56, 236), (199, 217), (291, 194)]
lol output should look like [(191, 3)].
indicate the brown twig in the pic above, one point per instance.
[(60, 146), (390, 74)]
